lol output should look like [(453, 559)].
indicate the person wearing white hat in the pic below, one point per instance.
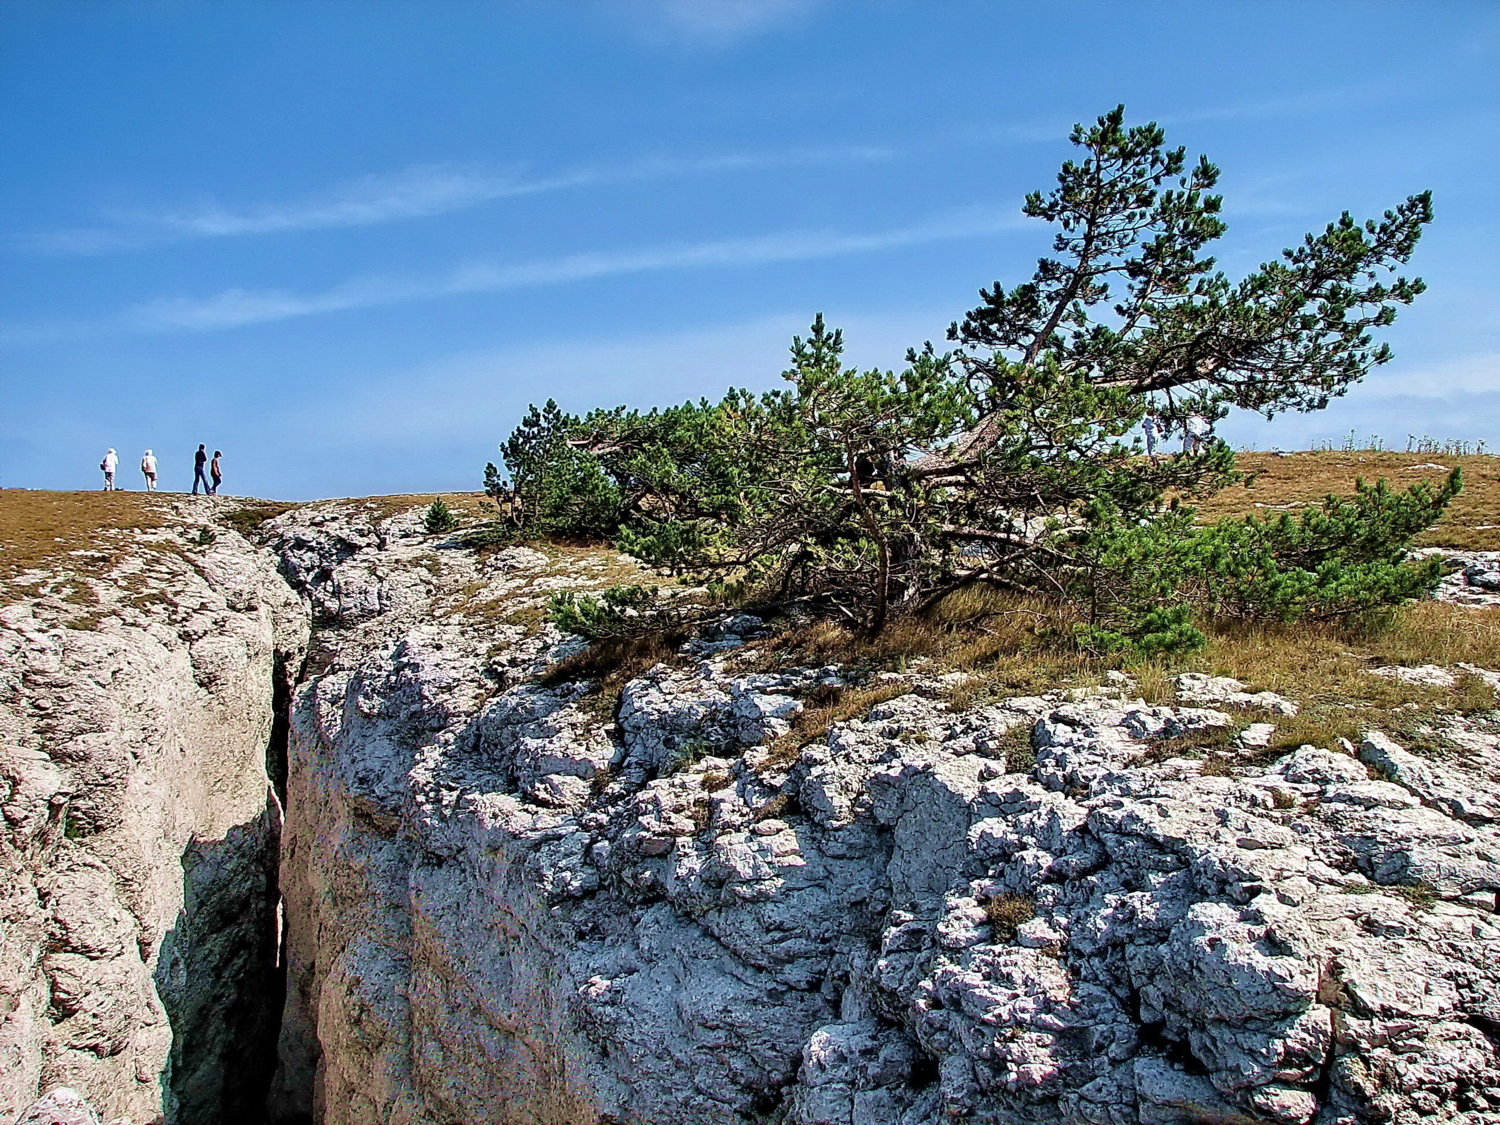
[(110, 463), (148, 469)]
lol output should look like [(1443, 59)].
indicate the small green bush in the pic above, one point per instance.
[(620, 611), (440, 518)]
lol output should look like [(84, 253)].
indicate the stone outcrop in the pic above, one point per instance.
[(139, 841), (1470, 577), (508, 895), (506, 904)]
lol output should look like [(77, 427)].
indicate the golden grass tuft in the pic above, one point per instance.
[(467, 506), (1007, 913), (1302, 479), (825, 708), (247, 516), (611, 664)]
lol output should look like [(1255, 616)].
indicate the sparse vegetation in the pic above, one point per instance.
[(1208, 743), (613, 663), (867, 497), (38, 527), (1418, 895), (1007, 913), (247, 516), (832, 705), (1275, 483), (439, 519)]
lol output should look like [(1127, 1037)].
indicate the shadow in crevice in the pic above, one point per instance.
[(287, 673), (219, 978)]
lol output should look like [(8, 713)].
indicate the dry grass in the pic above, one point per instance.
[(1020, 644), (611, 664), (1016, 748), (246, 516), (1204, 742), (1015, 646), (825, 707), (1007, 913), (38, 528), (1326, 668), (1296, 480), (467, 506), (1332, 662)]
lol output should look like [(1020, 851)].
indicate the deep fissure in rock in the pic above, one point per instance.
[(221, 975)]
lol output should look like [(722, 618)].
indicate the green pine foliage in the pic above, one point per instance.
[(1005, 462), (439, 519), (558, 488), (621, 611)]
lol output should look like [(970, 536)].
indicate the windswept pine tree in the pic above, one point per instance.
[(1004, 462)]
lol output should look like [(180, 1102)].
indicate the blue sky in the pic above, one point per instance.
[(347, 243)]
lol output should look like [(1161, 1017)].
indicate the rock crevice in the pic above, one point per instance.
[(140, 835), (503, 896)]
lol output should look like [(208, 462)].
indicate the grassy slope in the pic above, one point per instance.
[(1295, 480), (1010, 646), (37, 526)]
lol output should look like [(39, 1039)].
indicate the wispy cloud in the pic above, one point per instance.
[(411, 193), (1056, 126), (234, 307), (714, 23), (1291, 105), (1455, 377), (412, 403)]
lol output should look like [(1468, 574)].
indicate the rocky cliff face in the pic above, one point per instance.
[(510, 896), (139, 842), (506, 905)]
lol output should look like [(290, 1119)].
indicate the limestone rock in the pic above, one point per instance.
[(139, 833), (1430, 675), (1195, 687), (61, 1106), (902, 921)]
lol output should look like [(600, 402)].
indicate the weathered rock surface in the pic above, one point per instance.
[(503, 905), (137, 851), (61, 1106), (508, 899), (1472, 578)]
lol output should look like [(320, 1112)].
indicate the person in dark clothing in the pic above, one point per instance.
[(213, 471), (199, 460)]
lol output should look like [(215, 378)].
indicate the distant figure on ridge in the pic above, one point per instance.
[(110, 463), (1155, 430), (148, 470), (199, 460), (215, 473), (1194, 429)]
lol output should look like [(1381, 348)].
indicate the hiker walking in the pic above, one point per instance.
[(1154, 429), (199, 460), (215, 473), (148, 470), (1194, 429), (108, 466)]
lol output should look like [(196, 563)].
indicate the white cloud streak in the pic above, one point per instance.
[(412, 193), (716, 24), (235, 307)]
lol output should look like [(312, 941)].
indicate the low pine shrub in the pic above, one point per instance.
[(440, 519)]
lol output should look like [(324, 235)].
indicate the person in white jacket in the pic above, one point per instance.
[(1195, 431), (148, 469), (110, 463)]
